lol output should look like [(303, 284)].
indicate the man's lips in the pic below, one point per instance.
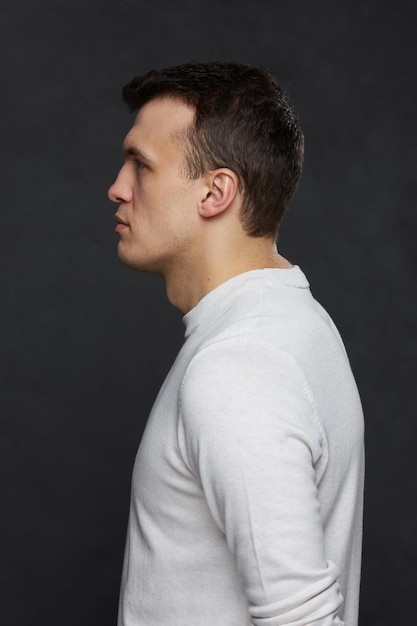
[(121, 224)]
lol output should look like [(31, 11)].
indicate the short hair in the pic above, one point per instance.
[(243, 121)]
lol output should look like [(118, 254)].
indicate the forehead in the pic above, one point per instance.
[(157, 123)]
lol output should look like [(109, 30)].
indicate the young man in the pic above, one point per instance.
[(247, 489)]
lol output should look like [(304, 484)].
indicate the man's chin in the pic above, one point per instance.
[(126, 258), (138, 264)]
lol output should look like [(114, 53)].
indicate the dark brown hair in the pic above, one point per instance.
[(243, 121)]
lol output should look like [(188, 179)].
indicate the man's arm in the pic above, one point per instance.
[(253, 438)]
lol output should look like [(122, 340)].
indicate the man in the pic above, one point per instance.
[(246, 500)]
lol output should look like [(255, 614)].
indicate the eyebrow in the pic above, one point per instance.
[(131, 150)]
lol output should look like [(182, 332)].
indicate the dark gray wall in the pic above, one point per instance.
[(85, 342)]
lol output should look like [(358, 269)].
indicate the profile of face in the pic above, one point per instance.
[(158, 206)]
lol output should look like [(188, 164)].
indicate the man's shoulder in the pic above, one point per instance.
[(239, 369), (230, 388)]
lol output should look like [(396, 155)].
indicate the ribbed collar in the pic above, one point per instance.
[(212, 305)]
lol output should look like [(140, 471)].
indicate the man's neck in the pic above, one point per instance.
[(186, 287)]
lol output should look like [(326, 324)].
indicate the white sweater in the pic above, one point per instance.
[(247, 489)]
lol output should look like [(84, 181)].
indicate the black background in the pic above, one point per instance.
[(86, 343)]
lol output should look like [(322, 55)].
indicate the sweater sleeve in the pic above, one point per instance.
[(252, 437)]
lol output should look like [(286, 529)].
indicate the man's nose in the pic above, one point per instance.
[(120, 190), (112, 192)]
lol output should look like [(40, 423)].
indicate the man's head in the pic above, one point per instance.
[(243, 122)]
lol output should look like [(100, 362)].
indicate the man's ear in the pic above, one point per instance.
[(223, 187)]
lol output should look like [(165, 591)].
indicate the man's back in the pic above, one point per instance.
[(247, 488)]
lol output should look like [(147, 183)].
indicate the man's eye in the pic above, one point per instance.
[(139, 165)]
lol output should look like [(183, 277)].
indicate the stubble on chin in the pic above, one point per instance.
[(138, 262)]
